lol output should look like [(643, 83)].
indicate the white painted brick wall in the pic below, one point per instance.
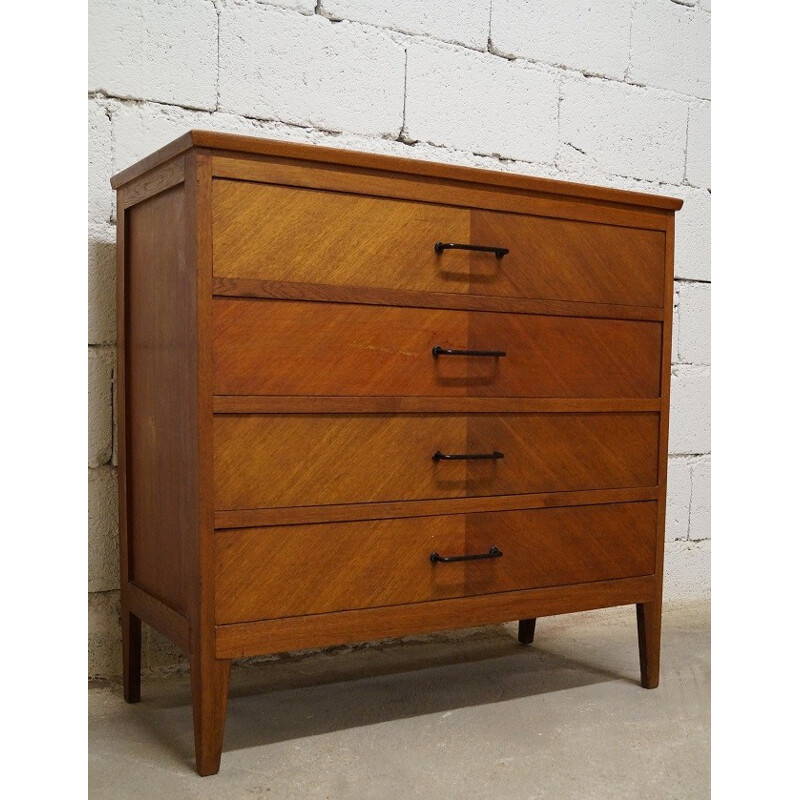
[(101, 365), (690, 410), (694, 309), (700, 518), (105, 636), (687, 570), (676, 322), (613, 93), (671, 47), (140, 128), (479, 103), (303, 6), (698, 145), (102, 284), (679, 498), (101, 196), (162, 50), (591, 37), (625, 130), (693, 234), (446, 20), (308, 71), (103, 537)]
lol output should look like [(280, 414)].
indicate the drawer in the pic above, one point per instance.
[(278, 233), (558, 259), (282, 347), (264, 573), (271, 461)]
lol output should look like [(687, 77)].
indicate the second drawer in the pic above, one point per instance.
[(282, 347), (268, 461)]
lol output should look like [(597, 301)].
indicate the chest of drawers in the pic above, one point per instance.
[(363, 397)]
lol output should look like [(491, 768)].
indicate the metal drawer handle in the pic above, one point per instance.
[(494, 552), (441, 351), (440, 247), (438, 456)]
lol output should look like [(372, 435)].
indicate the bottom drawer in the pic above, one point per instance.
[(264, 573)]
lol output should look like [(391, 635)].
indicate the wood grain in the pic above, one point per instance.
[(170, 174), (282, 233), (263, 572), (281, 460), (648, 615), (555, 546), (326, 293), (244, 147), (564, 357), (210, 680), (301, 421), (167, 621), (301, 515), (342, 627), (294, 348), (278, 233), (326, 404), (567, 260), (443, 191), (648, 623), (266, 461), (209, 675), (160, 347), (131, 624)]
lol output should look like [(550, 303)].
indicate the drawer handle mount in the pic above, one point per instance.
[(441, 351), (440, 247), (438, 456), (494, 552)]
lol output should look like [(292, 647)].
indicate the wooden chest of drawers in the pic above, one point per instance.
[(363, 396)]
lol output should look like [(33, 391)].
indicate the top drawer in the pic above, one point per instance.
[(278, 233)]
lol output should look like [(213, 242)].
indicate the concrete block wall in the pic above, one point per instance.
[(613, 93)]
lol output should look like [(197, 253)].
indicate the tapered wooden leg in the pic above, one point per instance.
[(131, 656), (210, 679), (648, 619), (526, 630)]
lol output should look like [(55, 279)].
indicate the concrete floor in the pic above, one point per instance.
[(475, 717)]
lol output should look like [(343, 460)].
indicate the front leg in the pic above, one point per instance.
[(210, 678), (648, 619)]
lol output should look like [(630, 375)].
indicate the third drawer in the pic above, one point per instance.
[(277, 460)]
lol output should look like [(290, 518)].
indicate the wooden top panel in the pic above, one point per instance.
[(254, 146)]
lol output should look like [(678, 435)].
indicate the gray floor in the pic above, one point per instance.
[(475, 717)]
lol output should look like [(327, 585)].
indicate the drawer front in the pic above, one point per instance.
[(272, 461), (281, 347), (264, 573), (558, 259), (279, 233)]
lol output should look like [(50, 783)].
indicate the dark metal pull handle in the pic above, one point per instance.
[(440, 247), (438, 456), (494, 552), (441, 351)]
